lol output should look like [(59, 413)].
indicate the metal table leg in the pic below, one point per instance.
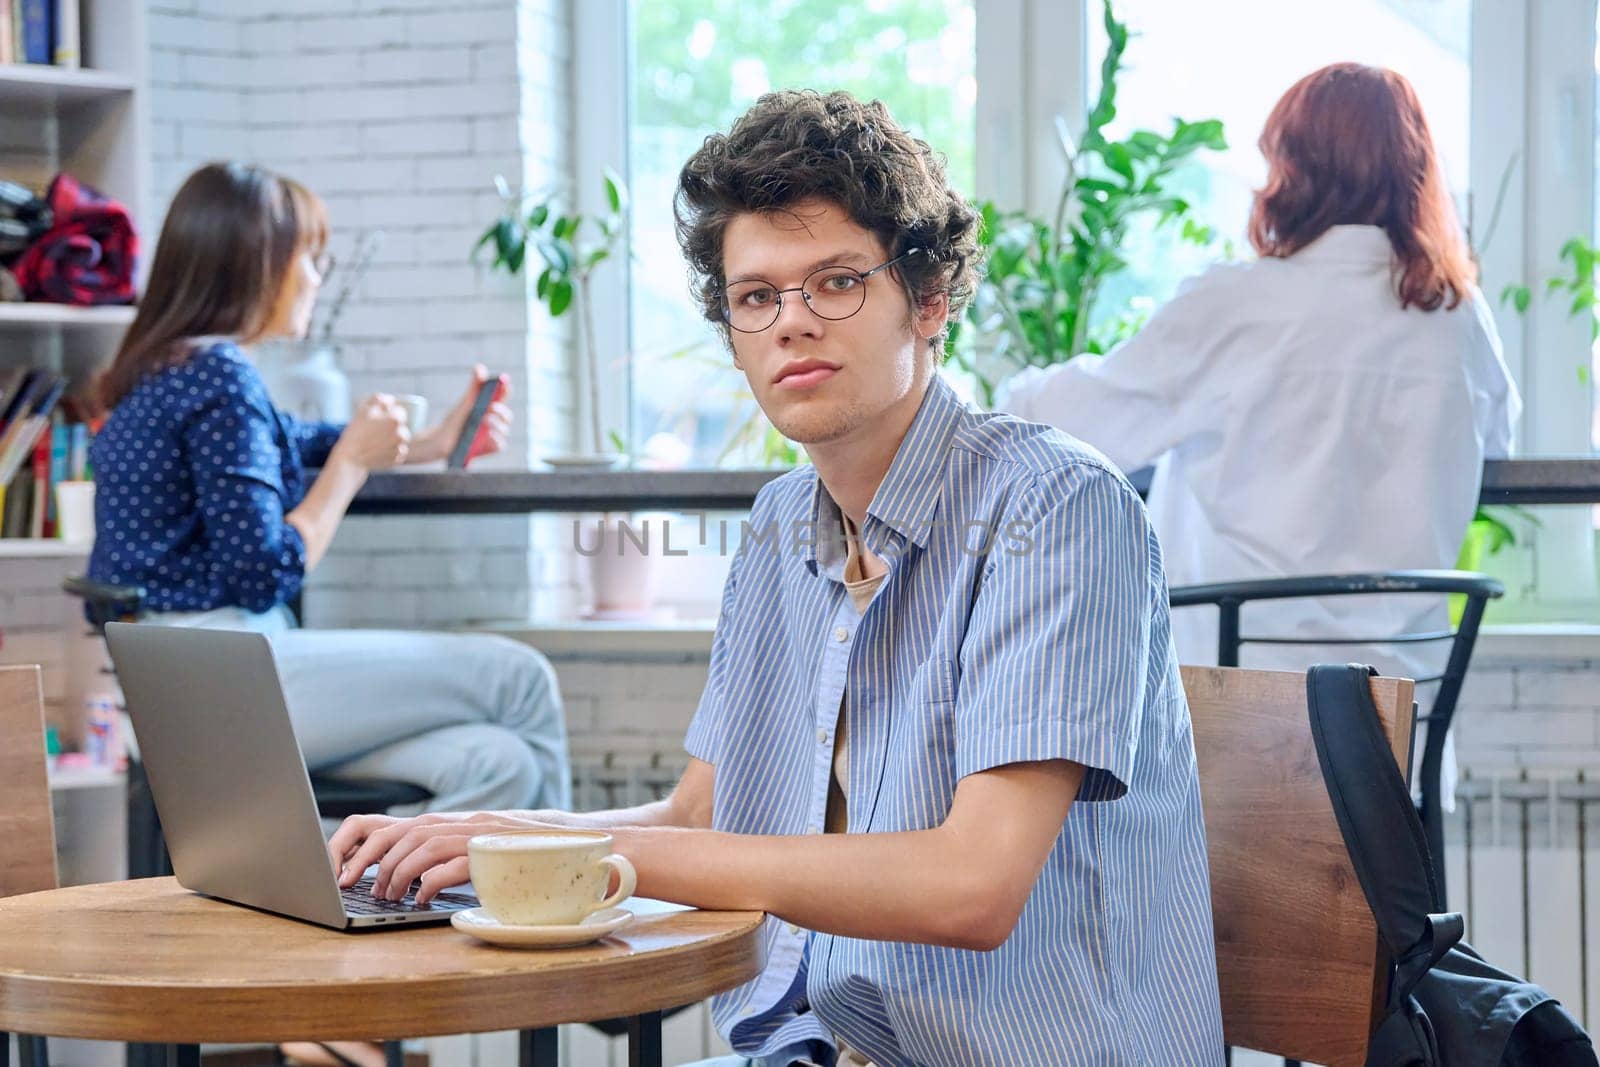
[(644, 1040), (537, 1048), (33, 1051)]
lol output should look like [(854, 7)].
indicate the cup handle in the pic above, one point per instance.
[(626, 873)]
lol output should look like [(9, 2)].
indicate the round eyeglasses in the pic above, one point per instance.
[(831, 293)]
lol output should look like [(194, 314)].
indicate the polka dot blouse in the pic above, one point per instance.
[(194, 472)]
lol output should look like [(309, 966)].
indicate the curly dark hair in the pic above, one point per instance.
[(793, 146)]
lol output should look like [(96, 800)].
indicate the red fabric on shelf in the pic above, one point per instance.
[(87, 257)]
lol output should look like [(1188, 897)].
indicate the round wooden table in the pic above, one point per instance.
[(150, 961)]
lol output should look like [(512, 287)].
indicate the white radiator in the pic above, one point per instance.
[(1522, 855)]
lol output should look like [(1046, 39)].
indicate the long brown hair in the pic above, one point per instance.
[(222, 266), (1348, 145)]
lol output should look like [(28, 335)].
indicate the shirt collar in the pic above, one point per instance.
[(909, 493), (1349, 244)]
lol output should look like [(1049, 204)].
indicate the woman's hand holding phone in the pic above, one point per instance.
[(376, 436), (492, 431)]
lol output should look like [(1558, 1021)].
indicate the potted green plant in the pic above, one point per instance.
[(1490, 531), (1036, 304), (571, 246)]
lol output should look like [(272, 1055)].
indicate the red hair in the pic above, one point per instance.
[(1348, 145)]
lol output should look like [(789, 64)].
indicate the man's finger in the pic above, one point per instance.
[(372, 850), (440, 849), (350, 834), (442, 877), (386, 883)]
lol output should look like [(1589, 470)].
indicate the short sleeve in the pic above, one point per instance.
[(313, 440), (1057, 654), (238, 474), (704, 739)]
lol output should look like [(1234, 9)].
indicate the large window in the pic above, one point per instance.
[(1232, 60), (695, 66), (1509, 89)]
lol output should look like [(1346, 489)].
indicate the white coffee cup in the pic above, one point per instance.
[(416, 410), (75, 511), (547, 877)]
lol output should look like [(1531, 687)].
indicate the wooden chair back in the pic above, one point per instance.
[(1301, 970), (27, 831)]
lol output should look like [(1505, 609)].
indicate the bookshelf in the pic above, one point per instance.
[(30, 86), (41, 548), (92, 122), (64, 315)]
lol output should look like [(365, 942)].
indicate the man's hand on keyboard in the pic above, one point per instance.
[(431, 847)]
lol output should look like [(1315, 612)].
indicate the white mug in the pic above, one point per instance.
[(546, 877), (75, 511), (416, 408)]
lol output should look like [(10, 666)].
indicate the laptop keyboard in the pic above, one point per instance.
[(358, 900)]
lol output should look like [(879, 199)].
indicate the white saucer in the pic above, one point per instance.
[(485, 927)]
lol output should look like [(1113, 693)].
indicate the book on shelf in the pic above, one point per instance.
[(27, 418), (28, 497), (44, 32), (36, 30), (40, 469), (8, 47), (60, 466), (65, 48)]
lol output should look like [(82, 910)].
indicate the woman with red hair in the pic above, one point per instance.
[(1324, 408)]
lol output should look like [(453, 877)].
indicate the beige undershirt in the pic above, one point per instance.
[(863, 573)]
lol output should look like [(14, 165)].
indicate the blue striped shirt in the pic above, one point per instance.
[(1024, 617)]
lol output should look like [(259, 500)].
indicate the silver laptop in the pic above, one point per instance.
[(230, 784)]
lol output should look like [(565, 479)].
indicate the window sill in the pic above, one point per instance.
[(1509, 644)]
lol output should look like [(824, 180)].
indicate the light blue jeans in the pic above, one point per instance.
[(474, 719)]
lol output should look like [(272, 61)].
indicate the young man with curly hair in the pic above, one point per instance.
[(944, 743)]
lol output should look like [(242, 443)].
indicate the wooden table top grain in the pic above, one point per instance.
[(150, 961)]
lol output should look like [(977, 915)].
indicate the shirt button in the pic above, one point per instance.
[(841, 634), (793, 929), (822, 737)]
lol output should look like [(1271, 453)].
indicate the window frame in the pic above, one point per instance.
[(1533, 95), (1533, 101)]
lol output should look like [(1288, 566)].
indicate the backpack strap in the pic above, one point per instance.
[(1380, 826)]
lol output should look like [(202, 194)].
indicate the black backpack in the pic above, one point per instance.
[(1447, 1007)]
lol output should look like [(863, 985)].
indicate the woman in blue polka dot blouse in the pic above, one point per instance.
[(201, 498)]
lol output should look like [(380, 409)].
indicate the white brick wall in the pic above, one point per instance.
[(1517, 711), (399, 113)]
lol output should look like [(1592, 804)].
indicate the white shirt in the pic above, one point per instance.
[(1300, 423)]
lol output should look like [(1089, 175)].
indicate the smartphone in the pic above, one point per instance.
[(475, 434)]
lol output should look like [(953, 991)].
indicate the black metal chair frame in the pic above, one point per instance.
[(1478, 589)]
